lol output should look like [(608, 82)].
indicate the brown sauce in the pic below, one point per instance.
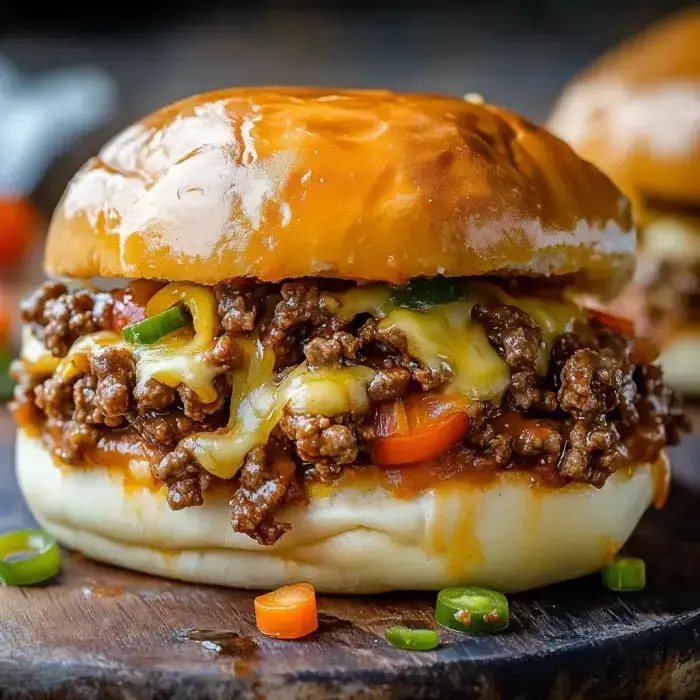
[(102, 592), (227, 643), (661, 473), (117, 451)]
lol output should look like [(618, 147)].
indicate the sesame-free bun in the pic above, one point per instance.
[(635, 112), (274, 183), (504, 534)]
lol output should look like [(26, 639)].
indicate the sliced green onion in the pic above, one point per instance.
[(472, 609), (28, 557), (412, 639), (625, 574), (7, 385), (426, 292), (151, 329)]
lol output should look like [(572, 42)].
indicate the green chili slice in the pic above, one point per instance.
[(28, 557), (424, 293), (625, 574), (151, 329), (412, 639), (7, 385), (472, 609)]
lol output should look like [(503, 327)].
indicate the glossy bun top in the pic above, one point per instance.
[(274, 183), (636, 112)]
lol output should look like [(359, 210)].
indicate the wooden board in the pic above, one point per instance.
[(100, 632)]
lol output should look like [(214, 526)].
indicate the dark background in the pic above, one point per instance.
[(518, 54)]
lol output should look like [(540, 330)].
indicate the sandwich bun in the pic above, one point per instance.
[(505, 533), (275, 183), (279, 183), (635, 113)]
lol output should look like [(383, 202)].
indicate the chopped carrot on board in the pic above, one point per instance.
[(287, 613)]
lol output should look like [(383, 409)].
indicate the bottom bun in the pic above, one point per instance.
[(504, 533), (679, 361)]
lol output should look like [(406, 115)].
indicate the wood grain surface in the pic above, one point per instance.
[(100, 632)]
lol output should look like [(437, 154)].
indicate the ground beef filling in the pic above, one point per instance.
[(594, 411)]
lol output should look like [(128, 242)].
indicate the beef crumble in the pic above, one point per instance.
[(593, 411), (59, 317), (593, 395), (321, 442), (267, 480), (238, 307), (518, 340)]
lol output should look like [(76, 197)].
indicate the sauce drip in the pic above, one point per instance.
[(102, 592), (457, 537), (661, 473), (226, 643), (119, 450)]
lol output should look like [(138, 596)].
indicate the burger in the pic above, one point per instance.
[(318, 335), (636, 115)]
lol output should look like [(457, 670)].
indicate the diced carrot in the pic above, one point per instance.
[(417, 429), (426, 443), (619, 324), (287, 613)]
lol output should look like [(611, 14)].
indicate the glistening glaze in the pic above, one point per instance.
[(288, 182), (636, 112)]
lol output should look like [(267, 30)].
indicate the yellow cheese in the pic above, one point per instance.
[(445, 338), (374, 299), (201, 304), (553, 318), (174, 364), (180, 357), (76, 361), (258, 404), (37, 359), (329, 392)]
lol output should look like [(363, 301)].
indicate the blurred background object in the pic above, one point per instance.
[(71, 79), (635, 113), (42, 116)]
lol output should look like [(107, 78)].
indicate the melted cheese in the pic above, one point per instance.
[(257, 405), (180, 357), (553, 318), (37, 359), (330, 392), (374, 299), (445, 338), (76, 361)]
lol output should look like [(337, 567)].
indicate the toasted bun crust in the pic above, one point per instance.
[(636, 112), (505, 534), (276, 183)]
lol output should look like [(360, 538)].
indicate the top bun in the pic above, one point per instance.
[(636, 112), (273, 183)]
